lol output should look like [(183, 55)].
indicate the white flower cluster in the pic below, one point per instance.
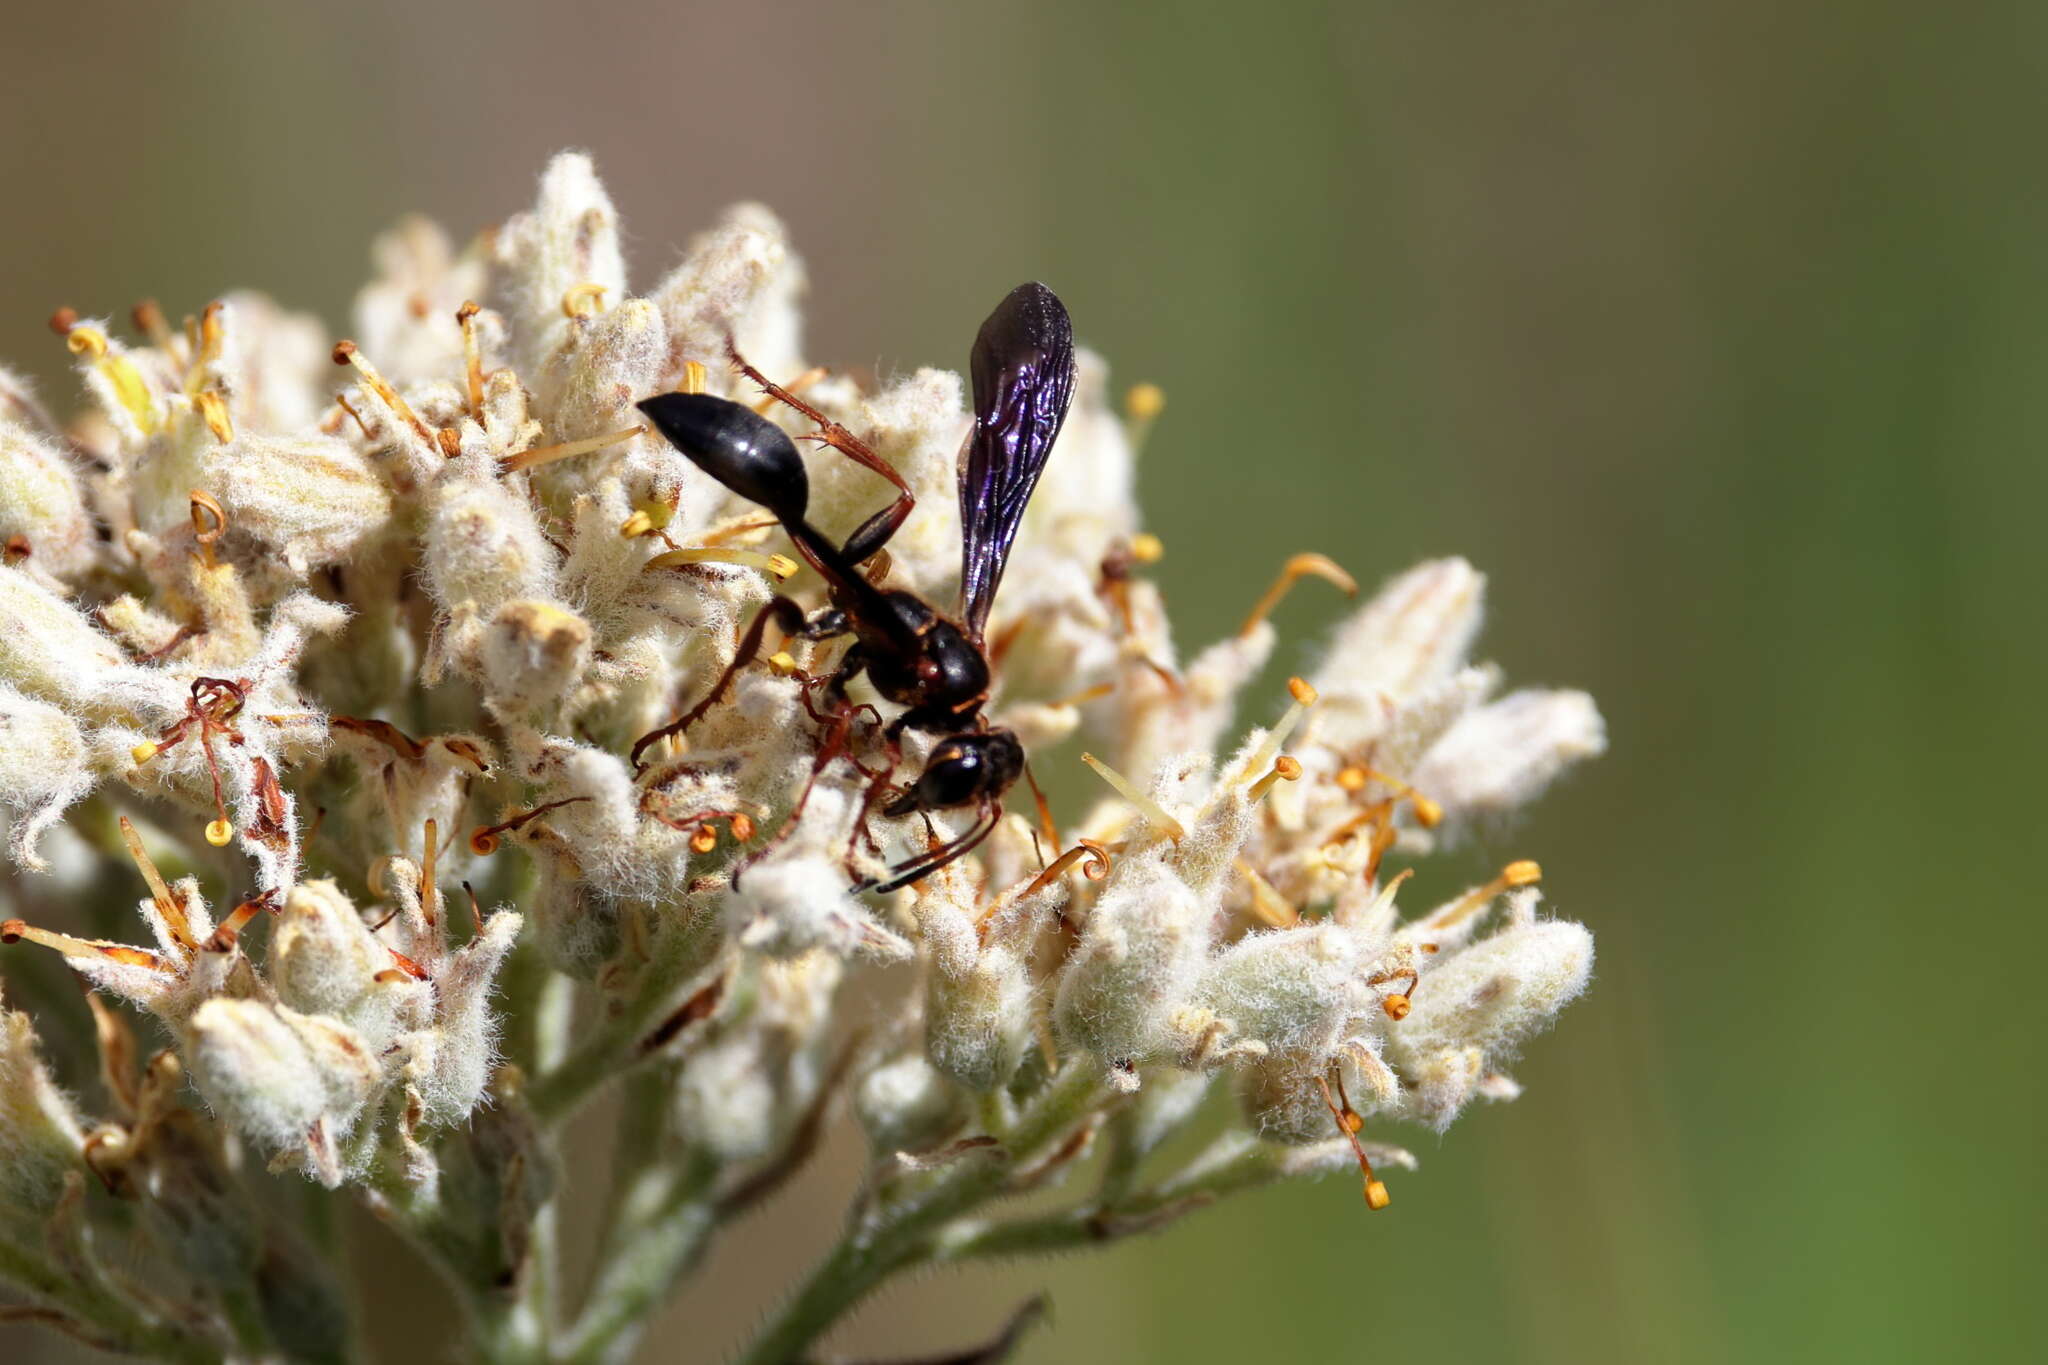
[(438, 593)]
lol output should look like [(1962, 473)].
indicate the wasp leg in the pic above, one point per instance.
[(873, 533), (788, 617)]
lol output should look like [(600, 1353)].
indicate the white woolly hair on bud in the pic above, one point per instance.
[(1471, 1012), (533, 653), (40, 1133), (978, 1012), (1138, 962), (1504, 754), (908, 1105), (1289, 990), (482, 546), (43, 769), (49, 648), (42, 504), (569, 239), (273, 1073), (465, 1029)]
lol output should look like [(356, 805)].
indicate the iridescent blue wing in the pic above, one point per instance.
[(1023, 372)]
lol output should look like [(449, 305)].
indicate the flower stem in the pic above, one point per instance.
[(897, 1234), (608, 1050)]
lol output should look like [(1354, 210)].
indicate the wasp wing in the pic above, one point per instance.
[(1023, 372)]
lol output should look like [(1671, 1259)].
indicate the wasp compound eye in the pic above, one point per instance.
[(736, 446)]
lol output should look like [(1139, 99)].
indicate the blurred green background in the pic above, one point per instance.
[(1713, 332)]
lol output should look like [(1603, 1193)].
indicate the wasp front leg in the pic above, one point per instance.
[(787, 617)]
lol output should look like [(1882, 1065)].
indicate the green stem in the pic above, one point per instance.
[(897, 1234), (657, 1217), (670, 1215), (112, 1321), (1231, 1163), (610, 1049)]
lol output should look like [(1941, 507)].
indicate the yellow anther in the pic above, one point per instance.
[(742, 827), (120, 374), (213, 409), (1304, 697), (219, 833), (540, 455), (1521, 872), (1396, 1006), (704, 840), (583, 300), (143, 752), (1353, 779), (1428, 813), (1299, 567), (1147, 548), (637, 525), (1376, 1196), (693, 377), (1286, 768), (781, 664), (1144, 402), (782, 566)]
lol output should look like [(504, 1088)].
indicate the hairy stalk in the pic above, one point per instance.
[(87, 1307), (657, 1216), (612, 1047), (894, 1234)]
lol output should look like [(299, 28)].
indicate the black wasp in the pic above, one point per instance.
[(933, 665)]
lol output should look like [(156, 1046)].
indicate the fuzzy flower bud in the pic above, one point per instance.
[(43, 769), (287, 1080), (42, 505), (1473, 1010), (40, 1136), (1138, 962)]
